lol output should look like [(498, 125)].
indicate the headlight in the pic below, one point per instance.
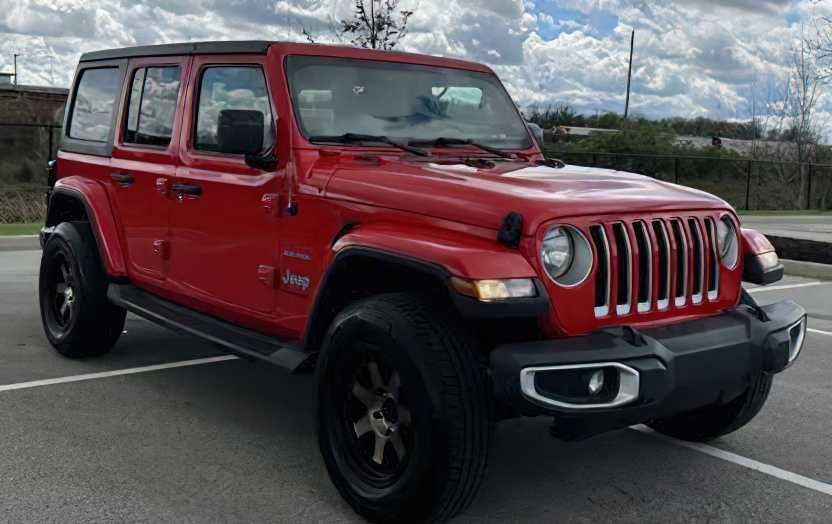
[(557, 251), (727, 242), (566, 255)]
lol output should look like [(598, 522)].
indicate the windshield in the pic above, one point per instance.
[(405, 102)]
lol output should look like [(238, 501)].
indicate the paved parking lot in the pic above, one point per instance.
[(214, 441)]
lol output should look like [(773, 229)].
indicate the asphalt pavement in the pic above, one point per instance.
[(805, 227), (234, 441)]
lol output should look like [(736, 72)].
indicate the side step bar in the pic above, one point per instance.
[(244, 342)]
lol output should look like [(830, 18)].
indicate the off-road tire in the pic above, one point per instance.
[(93, 324), (449, 399), (708, 423)]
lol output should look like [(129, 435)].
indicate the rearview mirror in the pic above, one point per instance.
[(240, 132)]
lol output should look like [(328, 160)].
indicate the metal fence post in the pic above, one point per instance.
[(809, 176), (676, 170), (49, 130), (748, 186)]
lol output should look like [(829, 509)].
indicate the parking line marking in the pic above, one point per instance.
[(819, 332), (788, 286), (745, 462), (116, 373)]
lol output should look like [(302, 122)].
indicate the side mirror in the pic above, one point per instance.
[(240, 132)]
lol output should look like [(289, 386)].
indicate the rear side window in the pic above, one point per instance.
[(95, 101), (226, 93), (153, 95)]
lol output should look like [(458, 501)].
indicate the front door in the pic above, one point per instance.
[(224, 213), (145, 155)]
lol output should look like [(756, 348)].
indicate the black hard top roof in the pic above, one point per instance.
[(191, 48)]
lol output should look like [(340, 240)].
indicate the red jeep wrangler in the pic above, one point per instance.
[(388, 221)]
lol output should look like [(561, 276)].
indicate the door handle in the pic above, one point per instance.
[(181, 190), (122, 179), (162, 185)]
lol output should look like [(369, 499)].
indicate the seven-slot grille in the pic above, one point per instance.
[(655, 264)]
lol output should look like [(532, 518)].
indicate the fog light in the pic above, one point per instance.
[(596, 382), (797, 335)]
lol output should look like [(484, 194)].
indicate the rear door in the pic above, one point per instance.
[(224, 217), (144, 160)]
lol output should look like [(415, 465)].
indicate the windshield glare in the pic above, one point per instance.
[(405, 102)]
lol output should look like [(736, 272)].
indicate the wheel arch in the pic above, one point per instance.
[(382, 258), (81, 199), (377, 271)]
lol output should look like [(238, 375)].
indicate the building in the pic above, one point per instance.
[(29, 134), (32, 104)]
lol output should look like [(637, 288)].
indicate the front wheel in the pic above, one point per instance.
[(711, 422), (403, 411)]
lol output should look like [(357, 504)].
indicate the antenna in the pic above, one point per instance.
[(629, 74)]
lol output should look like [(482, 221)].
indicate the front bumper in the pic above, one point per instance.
[(657, 372)]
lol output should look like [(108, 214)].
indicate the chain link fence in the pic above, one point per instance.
[(746, 184)]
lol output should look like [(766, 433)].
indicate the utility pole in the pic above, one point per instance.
[(15, 68), (629, 74)]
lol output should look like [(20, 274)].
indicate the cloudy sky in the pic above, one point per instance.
[(693, 57)]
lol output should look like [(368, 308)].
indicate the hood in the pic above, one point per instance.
[(483, 196)]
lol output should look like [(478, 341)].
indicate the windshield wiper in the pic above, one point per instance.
[(447, 141), (353, 138)]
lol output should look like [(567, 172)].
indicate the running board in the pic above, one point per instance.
[(244, 342)]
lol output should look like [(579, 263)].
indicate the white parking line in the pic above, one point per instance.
[(788, 286), (819, 332), (745, 462), (115, 373)]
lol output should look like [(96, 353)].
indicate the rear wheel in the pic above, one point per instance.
[(711, 422), (77, 318), (403, 411)]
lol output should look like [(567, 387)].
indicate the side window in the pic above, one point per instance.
[(234, 114), (153, 96), (95, 101)]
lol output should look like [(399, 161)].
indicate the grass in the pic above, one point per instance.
[(31, 228)]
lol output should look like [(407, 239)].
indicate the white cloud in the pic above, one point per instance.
[(693, 57)]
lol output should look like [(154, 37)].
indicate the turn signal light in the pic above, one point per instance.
[(491, 290)]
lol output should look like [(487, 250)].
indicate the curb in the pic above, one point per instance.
[(800, 268), (802, 249)]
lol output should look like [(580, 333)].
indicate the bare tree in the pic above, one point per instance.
[(787, 114), (820, 42), (375, 24)]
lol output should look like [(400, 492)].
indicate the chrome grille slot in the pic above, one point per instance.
[(681, 262), (654, 265), (623, 268), (645, 266), (663, 241), (602, 275), (713, 273), (698, 268)]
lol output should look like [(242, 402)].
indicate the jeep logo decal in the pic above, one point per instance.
[(294, 281)]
